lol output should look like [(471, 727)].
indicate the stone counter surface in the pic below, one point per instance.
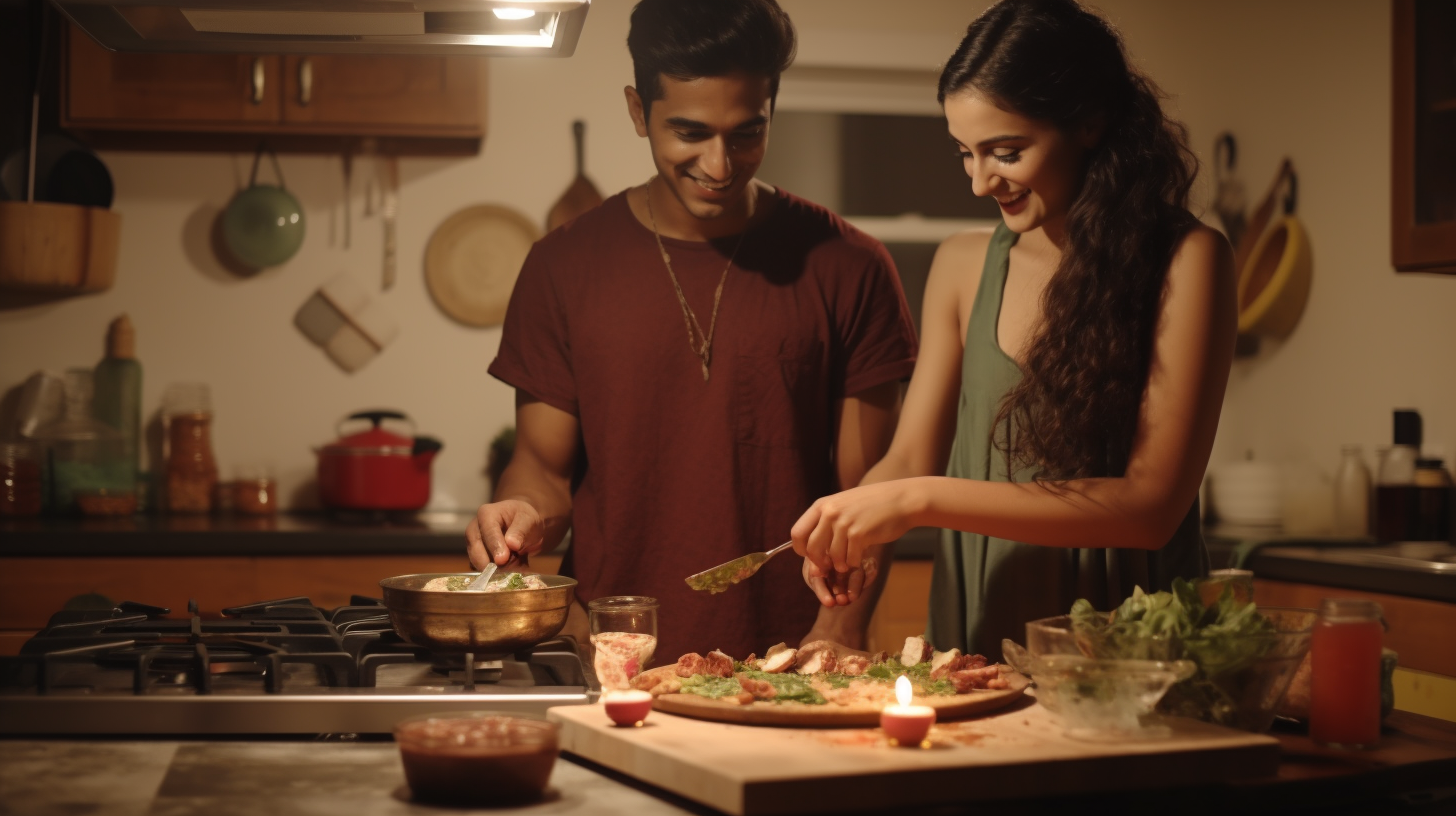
[(160, 778)]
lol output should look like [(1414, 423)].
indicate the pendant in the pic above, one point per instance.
[(705, 372)]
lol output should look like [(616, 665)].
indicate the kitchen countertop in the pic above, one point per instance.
[(1414, 570), (364, 778)]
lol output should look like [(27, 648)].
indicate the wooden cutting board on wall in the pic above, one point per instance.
[(759, 771)]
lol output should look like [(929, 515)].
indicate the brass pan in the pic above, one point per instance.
[(483, 623)]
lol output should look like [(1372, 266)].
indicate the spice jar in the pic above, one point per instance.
[(191, 469), (254, 491), (1345, 674), (20, 479)]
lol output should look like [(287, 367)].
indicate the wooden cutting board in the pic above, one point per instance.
[(747, 770)]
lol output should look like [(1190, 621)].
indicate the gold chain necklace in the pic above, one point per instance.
[(702, 348)]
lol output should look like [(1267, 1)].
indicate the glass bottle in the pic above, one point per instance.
[(623, 638), (1395, 491), (1344, 692), (1352, 493), (191, 468), (118, 400), (85, 459), (20, 479)]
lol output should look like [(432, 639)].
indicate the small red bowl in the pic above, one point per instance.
[(627, 707), (477, 757)]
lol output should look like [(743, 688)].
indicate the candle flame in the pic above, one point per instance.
[(903, 692)]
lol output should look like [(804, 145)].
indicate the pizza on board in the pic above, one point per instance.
[(825, 675)]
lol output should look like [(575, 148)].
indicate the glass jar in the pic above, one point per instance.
[(623, 638), (254, 490), (83, 457), (191, 469), (1352, 493), (1345, 674), (20, 479)]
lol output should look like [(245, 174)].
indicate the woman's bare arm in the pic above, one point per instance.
[(1192, 354)]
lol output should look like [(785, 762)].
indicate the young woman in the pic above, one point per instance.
[(1073, 362)]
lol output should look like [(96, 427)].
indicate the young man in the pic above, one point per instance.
[(699, 358)]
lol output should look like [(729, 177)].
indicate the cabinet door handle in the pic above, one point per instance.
[(305, 81), (258, 77)]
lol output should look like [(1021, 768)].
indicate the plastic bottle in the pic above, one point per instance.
[(86, 465), (118, 400), (1352, 493)]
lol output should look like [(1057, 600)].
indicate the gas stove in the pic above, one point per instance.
[(273, 667)]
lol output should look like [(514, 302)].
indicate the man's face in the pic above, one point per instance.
[(708, 137)]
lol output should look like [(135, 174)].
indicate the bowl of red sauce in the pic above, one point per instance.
[(477, 757)]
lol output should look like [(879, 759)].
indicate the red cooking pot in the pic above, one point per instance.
[(376, 468)]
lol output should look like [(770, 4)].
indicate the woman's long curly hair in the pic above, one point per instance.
[(1074, 414)]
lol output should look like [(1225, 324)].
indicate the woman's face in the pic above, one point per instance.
[(1031, 167)]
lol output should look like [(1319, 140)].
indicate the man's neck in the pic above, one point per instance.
[(672, 219)]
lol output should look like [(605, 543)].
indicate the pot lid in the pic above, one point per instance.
[(375, 436)]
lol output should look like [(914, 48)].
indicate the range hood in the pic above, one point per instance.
[(545, 28)]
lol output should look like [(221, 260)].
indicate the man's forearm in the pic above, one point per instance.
[(551, 500), (849, 625)]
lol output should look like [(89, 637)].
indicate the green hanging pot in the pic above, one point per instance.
[(263, 225)]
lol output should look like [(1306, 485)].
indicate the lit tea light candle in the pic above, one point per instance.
[(627, 706), (903, 723)]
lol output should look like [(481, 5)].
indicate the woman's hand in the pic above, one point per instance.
[(840, 588), (834, 533)]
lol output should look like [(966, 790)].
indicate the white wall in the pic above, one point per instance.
[(1304, 78)]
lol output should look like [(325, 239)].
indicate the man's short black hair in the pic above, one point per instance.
[(690, 39)]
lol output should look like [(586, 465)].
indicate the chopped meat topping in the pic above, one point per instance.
[(983, 677), (690, 664), (780, 662), (760, 689), (659, 681), (854, 664), (821, 661), (916, 651), (717, 664), (959, 663)]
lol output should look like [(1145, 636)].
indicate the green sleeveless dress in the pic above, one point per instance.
[(985, 589)]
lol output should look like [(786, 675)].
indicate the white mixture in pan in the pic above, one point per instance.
[(512, 580)]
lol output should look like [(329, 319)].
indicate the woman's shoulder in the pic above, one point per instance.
[(1202, 251), (961, 256)]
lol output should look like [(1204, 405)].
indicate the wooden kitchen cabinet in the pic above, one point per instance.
[(1420, 631), (1423, 109), (384, 94), (405, 104)]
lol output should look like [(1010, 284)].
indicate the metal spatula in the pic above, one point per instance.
[(721, 577)]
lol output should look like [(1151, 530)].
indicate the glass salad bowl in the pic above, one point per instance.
[(1101, 700), (1240, 676)]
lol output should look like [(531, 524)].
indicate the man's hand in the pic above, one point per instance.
[(502, 531), (840, 588)]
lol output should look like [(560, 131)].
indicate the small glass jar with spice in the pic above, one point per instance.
[(191, 468)]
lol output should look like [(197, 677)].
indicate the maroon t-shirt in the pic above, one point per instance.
[(677, 474)]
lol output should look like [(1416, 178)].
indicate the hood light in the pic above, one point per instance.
[(513, 13)]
